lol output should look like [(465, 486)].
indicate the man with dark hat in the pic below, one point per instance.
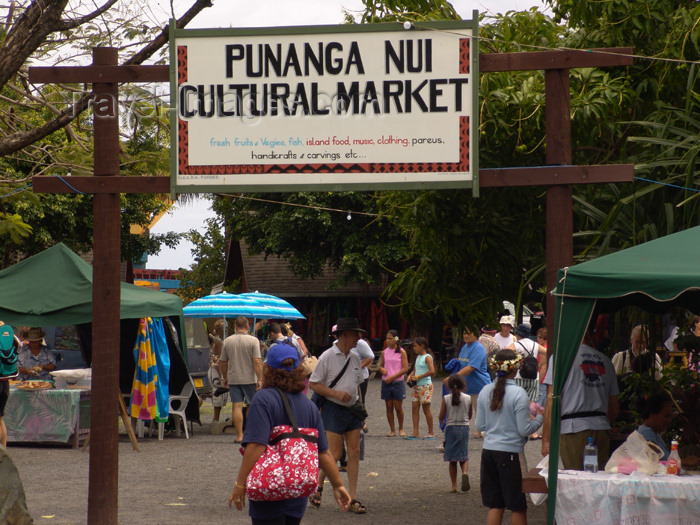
[(336, 379)]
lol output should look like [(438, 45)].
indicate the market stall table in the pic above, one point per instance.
[(587, 498), (48, 415)]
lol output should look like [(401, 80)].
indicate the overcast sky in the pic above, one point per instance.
[(265, 13)]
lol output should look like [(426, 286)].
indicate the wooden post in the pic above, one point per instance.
[(104, 426), (559, 217), (105, 75), (559, 175)]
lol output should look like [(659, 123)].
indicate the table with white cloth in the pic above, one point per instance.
[(50, 415), (586, 498)]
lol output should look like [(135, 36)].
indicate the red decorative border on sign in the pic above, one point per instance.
[(388, 167), (464, 56), (181, 64)]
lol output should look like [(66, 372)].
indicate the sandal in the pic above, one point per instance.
[(465, 483), (357, 507), (315, 498)]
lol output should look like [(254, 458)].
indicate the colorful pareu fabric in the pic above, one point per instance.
[(143, 392), (159, 343)]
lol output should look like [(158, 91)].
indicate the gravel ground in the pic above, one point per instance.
[(179, 481)]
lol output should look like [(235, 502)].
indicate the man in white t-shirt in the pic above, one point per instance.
[(337, 377), (505, 338), (588, 405)]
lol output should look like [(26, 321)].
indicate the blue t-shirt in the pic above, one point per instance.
[(265, 412), (651, 435), (474, 355)]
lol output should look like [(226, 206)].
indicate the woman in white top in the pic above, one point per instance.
[(504, 338)]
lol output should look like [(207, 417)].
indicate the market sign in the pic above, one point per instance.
[(373, 106)]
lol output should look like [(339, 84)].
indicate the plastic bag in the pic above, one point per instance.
[(635, 454), (536, 497)]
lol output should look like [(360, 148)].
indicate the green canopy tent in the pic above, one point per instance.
[(654, 276), (54, 288)]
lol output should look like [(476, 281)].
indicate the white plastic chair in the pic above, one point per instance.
[(180, 401)]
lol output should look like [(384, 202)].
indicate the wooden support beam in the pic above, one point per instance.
[(96, 185), (564, 59), (555, 175), (488, 63), (103, 489), (98, 73), (488, 178), (559, 242)]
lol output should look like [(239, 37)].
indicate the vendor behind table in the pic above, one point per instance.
[(35, 359)]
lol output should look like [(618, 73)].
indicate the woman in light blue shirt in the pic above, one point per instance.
[(504, 414)]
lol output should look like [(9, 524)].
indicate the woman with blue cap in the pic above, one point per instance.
[(282, 371)]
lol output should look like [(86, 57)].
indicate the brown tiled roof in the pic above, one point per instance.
[(274, 277)]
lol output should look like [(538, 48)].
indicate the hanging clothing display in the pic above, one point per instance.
[(150, 393), (143, 392), (160, 347)]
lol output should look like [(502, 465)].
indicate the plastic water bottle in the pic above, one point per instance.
[(590, 456), (673, 465)]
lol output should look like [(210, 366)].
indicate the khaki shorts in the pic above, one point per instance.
[(571, 448), (422, 394)]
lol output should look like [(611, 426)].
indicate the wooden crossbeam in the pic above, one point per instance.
[(564, 59), (555, 175), (488, 178), (488, 63), (98, 73), (95, 185)]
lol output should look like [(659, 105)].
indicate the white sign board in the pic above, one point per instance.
[(374, 106)]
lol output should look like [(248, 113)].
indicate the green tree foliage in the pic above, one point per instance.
[(47, 130), (660, 130), (470, 254), (655, 28), (209, 254), (411, 10), (311, 230), (666, 152)]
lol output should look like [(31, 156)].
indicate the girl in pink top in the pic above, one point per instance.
[(393, 364)]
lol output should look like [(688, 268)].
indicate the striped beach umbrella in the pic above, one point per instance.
[(226, 305), (278, 308)]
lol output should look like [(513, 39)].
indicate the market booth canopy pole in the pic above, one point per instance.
[(654, 276)]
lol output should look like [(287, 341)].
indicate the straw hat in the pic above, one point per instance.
[(507, 319), (35, 334)]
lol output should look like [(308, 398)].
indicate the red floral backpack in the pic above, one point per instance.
[(289, 466)]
